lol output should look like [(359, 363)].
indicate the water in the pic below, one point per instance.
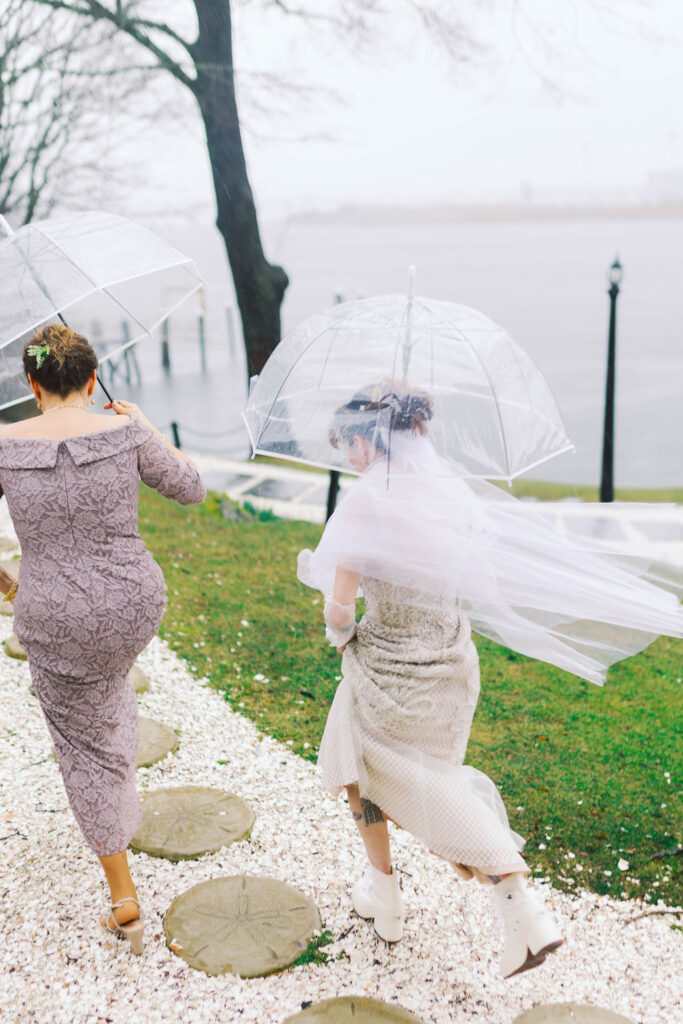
[(545, 282)]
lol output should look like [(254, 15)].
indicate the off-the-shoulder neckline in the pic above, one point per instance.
[(75, 437)]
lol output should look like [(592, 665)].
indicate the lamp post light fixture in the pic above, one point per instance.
[(614, 278)]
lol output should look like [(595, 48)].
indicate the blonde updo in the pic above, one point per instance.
[(68, 364)]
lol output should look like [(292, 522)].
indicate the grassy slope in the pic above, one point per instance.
[(583, 770)]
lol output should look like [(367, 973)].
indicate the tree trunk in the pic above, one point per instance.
[(259, 285)]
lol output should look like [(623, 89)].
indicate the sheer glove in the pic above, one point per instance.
[(339, 635)]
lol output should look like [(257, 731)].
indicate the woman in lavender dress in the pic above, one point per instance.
[(91, 596)]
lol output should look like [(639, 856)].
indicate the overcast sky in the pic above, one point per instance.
[(412, 128)]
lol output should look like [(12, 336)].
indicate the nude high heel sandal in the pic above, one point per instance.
[(131, 930)]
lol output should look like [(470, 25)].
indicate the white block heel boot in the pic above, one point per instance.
[(530, 932), (378, 896)]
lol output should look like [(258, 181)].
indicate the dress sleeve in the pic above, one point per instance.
[(167, 473)]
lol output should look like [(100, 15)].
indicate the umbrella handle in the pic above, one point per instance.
[(99, 381), (407, 339)]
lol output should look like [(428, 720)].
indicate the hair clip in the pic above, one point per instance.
[(39, 353)]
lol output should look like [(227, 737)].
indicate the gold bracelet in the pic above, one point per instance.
[(12, 592)]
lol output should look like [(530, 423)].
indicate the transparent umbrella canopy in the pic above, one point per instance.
[(88, 268), (494, 413)]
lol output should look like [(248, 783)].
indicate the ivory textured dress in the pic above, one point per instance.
[(399, 726), (90, 599)]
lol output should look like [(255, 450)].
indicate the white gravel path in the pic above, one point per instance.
[(56, 965)]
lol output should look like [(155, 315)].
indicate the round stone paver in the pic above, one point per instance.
[(139, 679), (14, 648), (241, 925), (154, 742), (358, 1009), (188, 821), (570, 1013)]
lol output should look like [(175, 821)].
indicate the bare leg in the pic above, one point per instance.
[(372, 826), (121, 886)]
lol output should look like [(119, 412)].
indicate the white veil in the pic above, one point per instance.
[(414, 521)]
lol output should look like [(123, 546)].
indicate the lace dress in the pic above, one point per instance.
[(91, 597), (399, 726)]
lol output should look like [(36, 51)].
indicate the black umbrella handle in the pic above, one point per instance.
[(99, 381)]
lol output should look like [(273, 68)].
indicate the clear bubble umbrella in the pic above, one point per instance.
[(88, 268), (494, 413)]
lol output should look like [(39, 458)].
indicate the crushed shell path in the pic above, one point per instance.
[(57, 966)]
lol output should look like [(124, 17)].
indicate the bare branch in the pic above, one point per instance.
[(135, 28), (56, 83)]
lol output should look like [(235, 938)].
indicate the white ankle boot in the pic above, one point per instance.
[(378, 896), (530, 932)]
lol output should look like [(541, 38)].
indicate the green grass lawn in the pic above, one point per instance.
[(589, 775)]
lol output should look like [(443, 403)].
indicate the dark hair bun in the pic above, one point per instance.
[(410, 411), (398, 409), (59, 359)]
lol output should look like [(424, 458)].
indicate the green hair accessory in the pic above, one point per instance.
[(39, 353)]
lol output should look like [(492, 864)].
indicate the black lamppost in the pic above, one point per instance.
[(607, 479)]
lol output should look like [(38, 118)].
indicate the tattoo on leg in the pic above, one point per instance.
[(371, 812), (357, 816)]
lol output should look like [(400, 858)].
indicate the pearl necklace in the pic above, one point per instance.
[(54, 408)]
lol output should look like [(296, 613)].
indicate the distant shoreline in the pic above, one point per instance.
[(496, 212)]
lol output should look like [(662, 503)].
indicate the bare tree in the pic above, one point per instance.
[(203, 63), (49, 111), (192, 41)]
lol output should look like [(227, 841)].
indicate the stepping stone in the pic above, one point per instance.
[(14, 648), (358, 1009), (241, 925), (188, 821), (570, 1013), (6, 607), (139, 679), (7, 545), (154, 742)]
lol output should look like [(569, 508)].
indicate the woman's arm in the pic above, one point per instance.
[(343, 603), (7, 580), (162, 466), (340, 608), (122, 408)]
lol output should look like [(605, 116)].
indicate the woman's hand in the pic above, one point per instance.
[(123, 408), (7, 581)]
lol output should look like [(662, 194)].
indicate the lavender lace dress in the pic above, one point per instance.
[(91, 598)]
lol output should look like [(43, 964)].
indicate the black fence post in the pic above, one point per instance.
[(332, 493), (176, 434), (607, 474), (165, 347)]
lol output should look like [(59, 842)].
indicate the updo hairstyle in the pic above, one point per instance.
[(407, 411), (68, 365)]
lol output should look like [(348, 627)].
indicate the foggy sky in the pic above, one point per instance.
[(410, 128)]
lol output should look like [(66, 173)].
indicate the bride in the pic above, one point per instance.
[(434, 557)]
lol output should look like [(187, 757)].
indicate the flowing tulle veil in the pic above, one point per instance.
[(415, 521)]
